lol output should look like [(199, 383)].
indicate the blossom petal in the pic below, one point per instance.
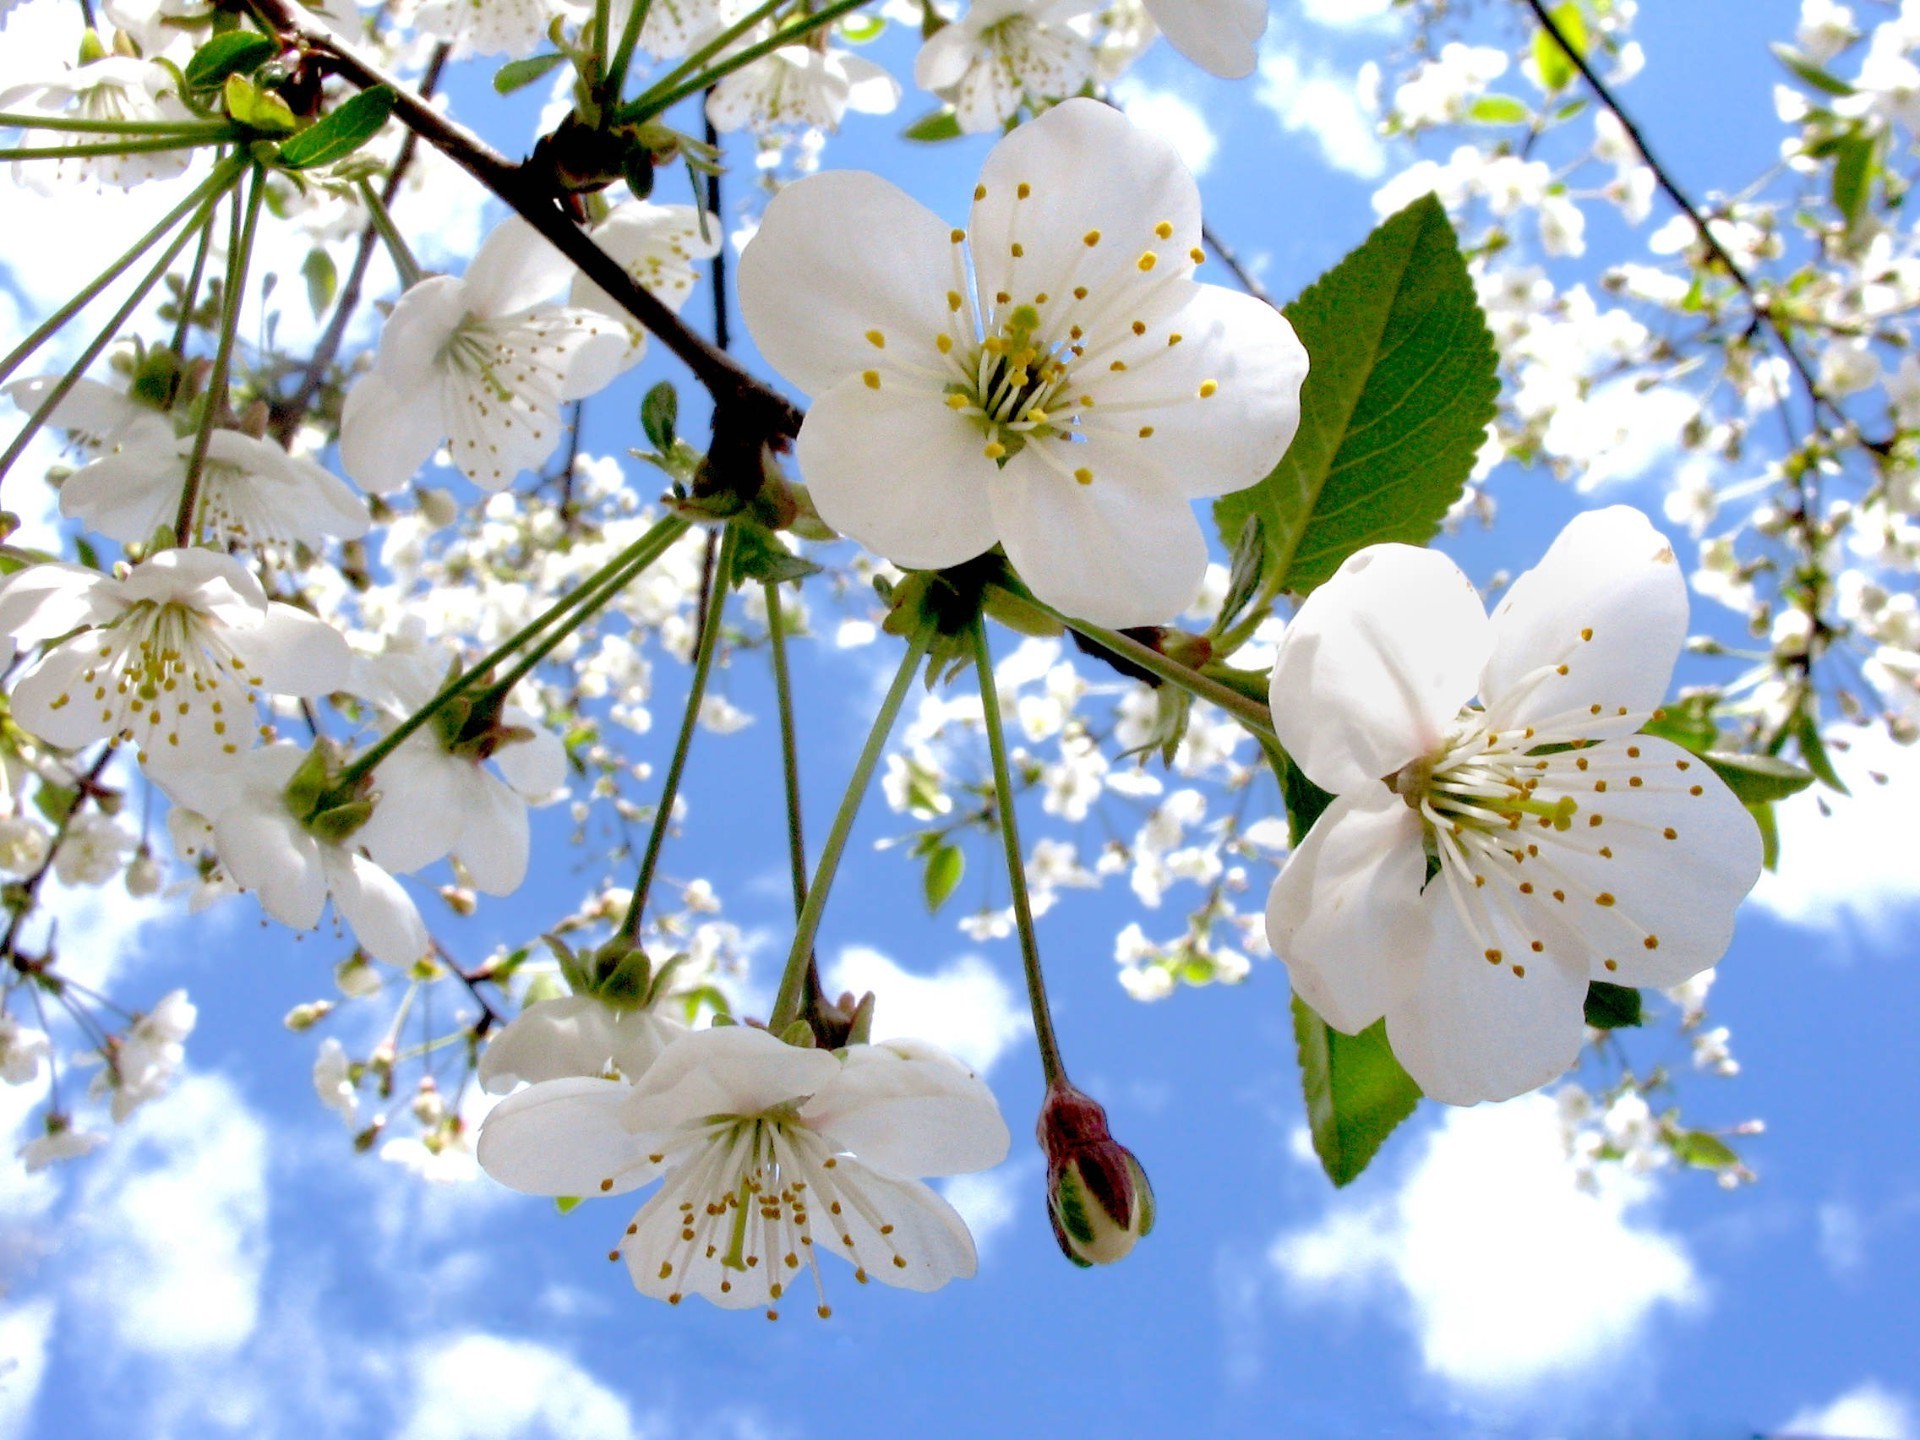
[(1220, 36), (516, 269), (388, 430), (1473, 1030), (910, 1110), (420, 813), (926, 1243), (898, 471), (548, 1040), (1592, 631), (55, 700), (495, 838), (1376, 666), (564, 1137), (376, 906), (44, 601), (838, 255), (727, 1070), (1117, 552), (294, 653), (271, 856), (535, 766), (1346, 915), (127, 495)]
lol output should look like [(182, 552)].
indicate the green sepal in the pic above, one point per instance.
[(565, 1204), (799, 1034), (338, 822)]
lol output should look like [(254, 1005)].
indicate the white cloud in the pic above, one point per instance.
[(1326, 107), (1843, 1238), (1514, 1275), (175, 1237), (1349, 14), (966, 1008), (1869, 1411), (1172, 117), (485, 1387), (24, 1333), (1855, 863), (990, 1201)]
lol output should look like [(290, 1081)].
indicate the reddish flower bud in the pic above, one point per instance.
[(1097, 1195)]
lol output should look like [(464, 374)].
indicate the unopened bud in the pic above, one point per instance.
[(143, 877), (356, 978), (305, 1017), (1098, 1197), (437, 507)]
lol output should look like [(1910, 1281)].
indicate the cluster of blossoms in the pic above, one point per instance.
[(334, 690)]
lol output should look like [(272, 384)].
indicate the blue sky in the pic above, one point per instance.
[(225, 1267)]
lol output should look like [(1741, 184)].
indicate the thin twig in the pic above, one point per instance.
[(1242, 276)]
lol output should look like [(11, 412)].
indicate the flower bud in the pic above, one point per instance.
[(305, 1017), (1097, 1195)]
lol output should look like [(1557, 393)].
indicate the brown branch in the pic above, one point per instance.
[(738, 398), (1243, 276)]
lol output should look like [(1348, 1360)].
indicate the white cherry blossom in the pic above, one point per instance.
[(480, 361), (1003, 54), (59, 1143), (252, 492), (1220, 36), (21, 1051), (1569, 847), (575, 1035), (513, 28), (769, 1155), (146, 1057), (800, 87), (1050, 379), (172, 656), (658, 245), (115, 87)]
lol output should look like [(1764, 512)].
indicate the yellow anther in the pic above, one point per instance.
[(876, 339), (1146, 432), (958, 237), (954, 302), (872, 377), (1018, 249), (1197, 255), (956, 402), (1022, 190), (979, 192), (1164, 230), (1147, 261), (1207, 387), (1083, 475), (994, 450), (1139, 327), (1175, 338), (1092, 237), (944, 344)]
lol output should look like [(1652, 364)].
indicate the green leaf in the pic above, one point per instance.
[(659, 412), (939, 124), (758, 555), (233, 53), (1355, 1090), (322, 280), (516, 74), (1612, 1007), (1813, 750), (341, 133), (1758, 779), (1855, 164), (257, 109), (1708, 1152), (1499, 110), (1769, 835), (1243, 576), (1811, 73), (1394, 410), (1556, 67), (1688, 723), (945, 865)]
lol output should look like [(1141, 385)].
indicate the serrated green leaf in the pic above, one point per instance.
[(257, 109), (1811, 73), (1395, 407), (1758, 779), (1499, 110), (517, 74), (659, 413), (1355, 1090), (340, 133), (936, 125), (233, 53), (1612, 1007), (322, 280), (1555, 66), (946, 864)]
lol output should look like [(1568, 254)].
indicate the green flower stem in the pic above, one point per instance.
[(107, 334), (223, 176), (215, 399), (616, 77), (1248, 711), (789, 748), (204, 129), (654, 102), (589, 597), (645, 108), (704, 651), (602, 22), (190, 292), (403, 261), (1050, 1063), (150, 145), (786, 1005)]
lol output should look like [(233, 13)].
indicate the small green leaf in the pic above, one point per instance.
[(1556, 67), (758, 555), (1499, 110), (1855, 164), (1356, 1092), (946, 864), (257, 109), (565, 1203), (339, 134), (1758, 779), (56, 802), (1809, 72), (1394, 410), (322, 280), (234, 53), (659, 413), (1708, 1152), (939, 124), (1813, 750), (1612, 1007), (516, 74), (1243, 576), (1688, 723)]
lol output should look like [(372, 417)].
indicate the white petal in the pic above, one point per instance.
[(910, 1115), (1346, 914), (376, 906), (1376, 666), (926, 1232), (1475, 1030), (1119, 551), (44, 601), (517, 268), (840, 254), (55, 702), (419, 815), (270, 855), (728, 1070), (295, 653), (494, 842), (549, 1040), (564, 1137), (944, 58), (126, 496), (1220, 36), (389, 430), (899, 472), (536, 766), (1608, 603)]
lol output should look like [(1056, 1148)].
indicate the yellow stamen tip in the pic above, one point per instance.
[(872, 377), (876, 339), (1164, 230), (1147, 260), (1207, 388), (1092, 237), (1083, 475)]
